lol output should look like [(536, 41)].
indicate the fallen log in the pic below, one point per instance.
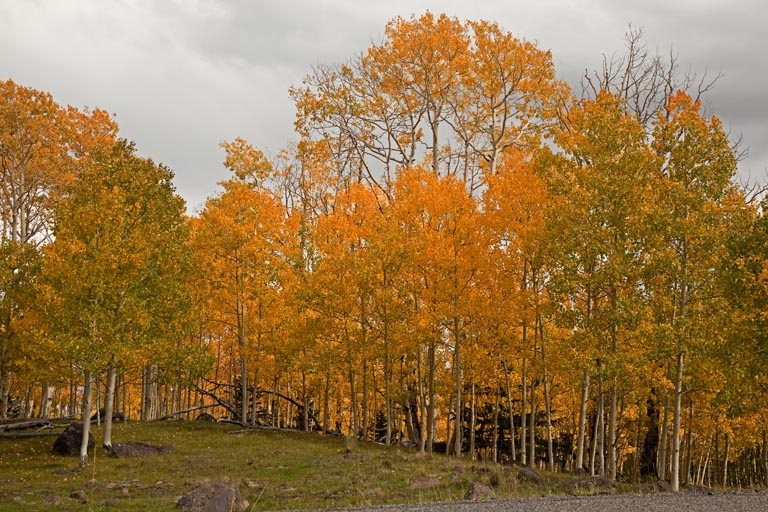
[(24, 425), (184, 411), (19, 435)]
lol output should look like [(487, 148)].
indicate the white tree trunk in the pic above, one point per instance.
[(675, 470), (86, 413), (513, 454), (109, 401), (582, 421)]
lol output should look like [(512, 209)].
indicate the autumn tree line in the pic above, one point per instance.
[(459, 252)]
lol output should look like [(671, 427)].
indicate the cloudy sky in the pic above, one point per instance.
[(181, 76)]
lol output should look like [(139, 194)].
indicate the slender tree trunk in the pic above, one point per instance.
[(422, 405), (326, 403), (366, 412), (582, 421), (125, 396), (524, 416), (387, 379), (511, 413), (593, 444), (243, 369), (547, 403), (472, 453), (532, 427), (764, 453), (353, 399), (109, 401), (457, 377), (72, 392), (689, 446), (305, 400), (675, 472), (45, 401), (431, 409), (601, 427), (662, 462), (86, 419), (3, 378), (495, 450), (612, 417), (548, 406), (725, 460)]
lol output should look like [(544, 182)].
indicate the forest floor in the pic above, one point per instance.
[(275, 470)]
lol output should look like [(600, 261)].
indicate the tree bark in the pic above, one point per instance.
[(457, 382), (423, 428), (472, 453), (582, 421), (513, 455), (45, 400), (86, 419), (431, 409), (662, 462), (725, 461), (243, 370), (532, 428), (675, 470), (109, 401), (495, 452), (387, 378), (524, 415), (612, 418)]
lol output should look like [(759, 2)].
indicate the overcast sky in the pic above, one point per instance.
[(181, 76)]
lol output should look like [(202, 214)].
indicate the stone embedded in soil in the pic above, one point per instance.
[(218, 496), (79, 495), (425, 483), (133, 449), (478, 491)]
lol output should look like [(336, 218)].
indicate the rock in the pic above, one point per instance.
[(221, 496), (68, 442), (529, 475), (79, 495), (592, 484), (425, 483), (102, 414), (258, 485), (52, 501), (663, 486), (479, 492), (123, 450), (204, 416)]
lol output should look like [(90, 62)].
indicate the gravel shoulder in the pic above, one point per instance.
[(747, 501)]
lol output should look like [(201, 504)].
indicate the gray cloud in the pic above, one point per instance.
[(184, 75)]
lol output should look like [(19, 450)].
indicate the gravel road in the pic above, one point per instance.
[(657, 502)]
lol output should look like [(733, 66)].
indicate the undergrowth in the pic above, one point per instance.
[(276, 470)]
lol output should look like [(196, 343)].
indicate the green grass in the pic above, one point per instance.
[(276, 470)]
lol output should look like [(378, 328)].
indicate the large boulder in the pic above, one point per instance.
[(221, 496), (68, 443)]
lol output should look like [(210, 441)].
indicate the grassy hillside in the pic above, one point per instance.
[(275, 470)]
